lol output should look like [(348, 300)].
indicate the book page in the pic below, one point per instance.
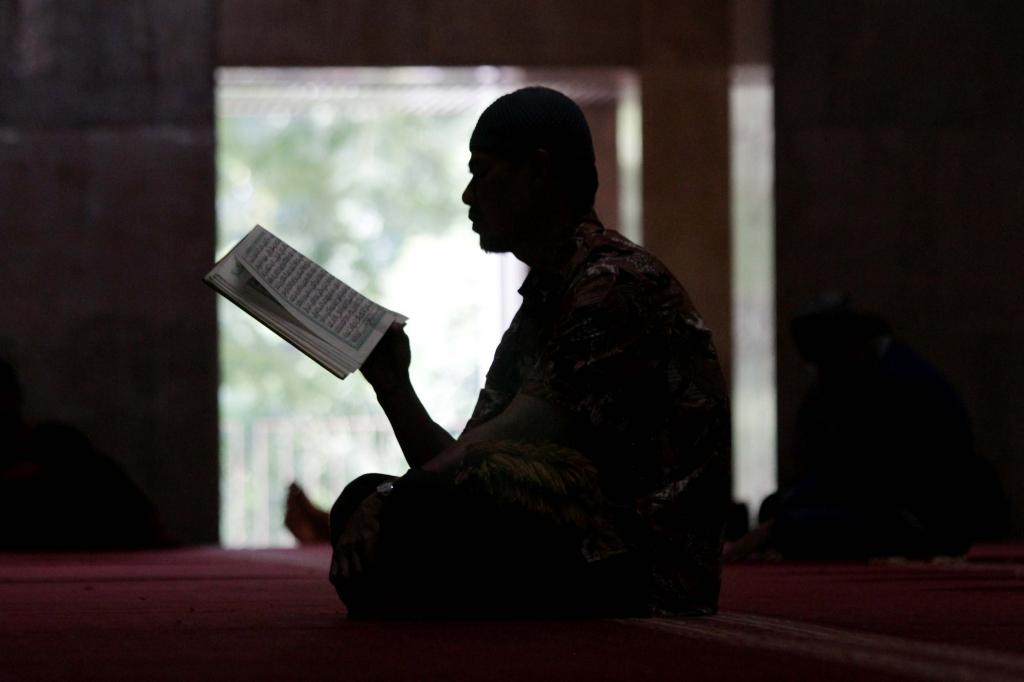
[(337, 309), (234, 281)]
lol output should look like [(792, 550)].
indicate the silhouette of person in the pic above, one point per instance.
[(591, 475), (884, 450), (57, 492)]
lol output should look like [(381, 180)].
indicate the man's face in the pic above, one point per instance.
[(499, 199)]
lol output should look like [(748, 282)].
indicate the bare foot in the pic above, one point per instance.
[(308, 523), (754, 546)]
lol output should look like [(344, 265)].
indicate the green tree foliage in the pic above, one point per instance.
[(347, 188)]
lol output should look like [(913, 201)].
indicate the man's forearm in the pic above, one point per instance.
[(526, 419), (419, 436)]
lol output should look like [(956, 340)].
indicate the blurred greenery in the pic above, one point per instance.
[(346, 190)]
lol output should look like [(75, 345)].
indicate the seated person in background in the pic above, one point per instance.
[(884, 451), (590, 478), (57, 492)]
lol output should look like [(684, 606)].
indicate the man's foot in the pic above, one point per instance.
[(308, 523), (754, 546)]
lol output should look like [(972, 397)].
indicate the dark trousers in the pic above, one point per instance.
[(450, 550), (814, 521)]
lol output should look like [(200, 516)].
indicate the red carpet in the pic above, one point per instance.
[(206, 614)]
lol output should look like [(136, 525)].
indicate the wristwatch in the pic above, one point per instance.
[(386, 488)]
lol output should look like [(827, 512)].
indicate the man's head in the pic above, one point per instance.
[(531, 151), (838, 341)]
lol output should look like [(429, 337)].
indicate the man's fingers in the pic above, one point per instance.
[(356, 550), (355, 563), (370, 551), (341, 566), (358, 558)]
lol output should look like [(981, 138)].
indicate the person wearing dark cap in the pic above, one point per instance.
[(884, 451), (590, 478)]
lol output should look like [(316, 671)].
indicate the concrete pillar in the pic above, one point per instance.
[(107, 217)]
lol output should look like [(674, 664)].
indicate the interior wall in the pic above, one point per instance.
[(899, 138), (107, 215)]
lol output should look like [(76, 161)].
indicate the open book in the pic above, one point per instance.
[(304, 304)]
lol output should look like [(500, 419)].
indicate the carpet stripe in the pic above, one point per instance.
[(1009, 570), (883, 653)]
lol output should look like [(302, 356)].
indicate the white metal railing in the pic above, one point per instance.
[(261, 456)]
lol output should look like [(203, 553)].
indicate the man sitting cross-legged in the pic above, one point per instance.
[(590, 478)]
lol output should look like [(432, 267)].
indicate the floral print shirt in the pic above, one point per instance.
[(614, 338)]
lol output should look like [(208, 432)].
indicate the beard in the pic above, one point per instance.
[(494, 242), (492, 248)]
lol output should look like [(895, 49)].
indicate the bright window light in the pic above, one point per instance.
[(753, 285), (363, 170)]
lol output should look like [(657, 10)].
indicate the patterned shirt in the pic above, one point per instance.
[(614, 339)]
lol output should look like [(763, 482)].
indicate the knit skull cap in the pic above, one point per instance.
[(535, 118)]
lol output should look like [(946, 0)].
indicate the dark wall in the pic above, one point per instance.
[(107, 219), (900, 179)]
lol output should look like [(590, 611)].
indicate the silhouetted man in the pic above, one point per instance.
[(590, 477)]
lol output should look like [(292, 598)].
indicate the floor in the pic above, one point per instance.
[(211, 614)]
